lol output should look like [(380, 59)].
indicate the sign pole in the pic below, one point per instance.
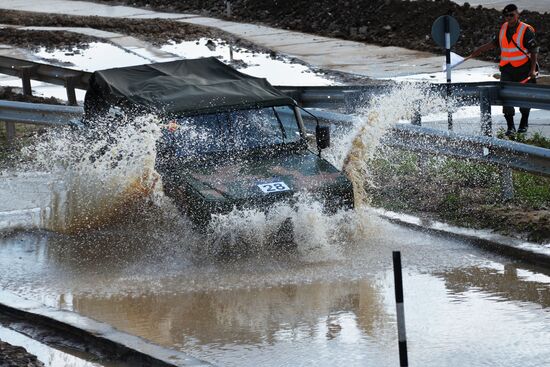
[(401, 333), (445, 33), (448, 62)]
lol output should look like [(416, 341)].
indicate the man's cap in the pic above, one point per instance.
[(509, 8)]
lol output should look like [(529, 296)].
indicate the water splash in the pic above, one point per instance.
[(104, 171), (314, 232), (353, 149), (108, 170)]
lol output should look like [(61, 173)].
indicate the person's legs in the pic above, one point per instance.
[(508, 111), (524, 123)]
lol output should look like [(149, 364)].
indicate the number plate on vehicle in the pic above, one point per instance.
[(273, 187)]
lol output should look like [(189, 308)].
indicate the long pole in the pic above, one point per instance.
[(448, 62), (401, 333)]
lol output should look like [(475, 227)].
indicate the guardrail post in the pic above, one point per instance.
[(10, 131), (228, 8), (25, 72), (416, 118), (506, 184), (485, 109), (70, 83)]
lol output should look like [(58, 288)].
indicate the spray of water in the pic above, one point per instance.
[(109, 169), (313, 231), (316, 232), (103, 170), (353, 149)]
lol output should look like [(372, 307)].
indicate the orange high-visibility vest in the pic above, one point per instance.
[(509, 53)]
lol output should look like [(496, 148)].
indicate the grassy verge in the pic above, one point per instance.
[(464, 193), (9, 150)]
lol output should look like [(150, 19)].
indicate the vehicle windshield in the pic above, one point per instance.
[(235, 130)]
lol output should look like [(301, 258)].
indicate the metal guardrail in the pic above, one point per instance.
[(426, 140), (499, 93), (346, 98), (38, 113), (485, 94), (29, 70), (410, 137), (484, 149)]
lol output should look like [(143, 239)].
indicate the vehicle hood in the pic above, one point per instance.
[(243, 179)]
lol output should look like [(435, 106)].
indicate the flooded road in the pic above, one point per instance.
[(328, 306), (329, 302)]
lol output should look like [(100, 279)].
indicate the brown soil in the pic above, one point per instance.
[(16, 94), (32, 40), (155, 31), (13, 356)]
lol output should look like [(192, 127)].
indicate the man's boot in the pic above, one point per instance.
[(524, 122), (511, 127)]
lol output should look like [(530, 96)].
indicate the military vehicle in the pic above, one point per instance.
[(229, 140)]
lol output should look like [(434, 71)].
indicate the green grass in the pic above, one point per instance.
[(536, 139), (463, 172), (532, 190), (462, 192), (9, 151)]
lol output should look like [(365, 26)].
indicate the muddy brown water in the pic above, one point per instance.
[(335, 307)]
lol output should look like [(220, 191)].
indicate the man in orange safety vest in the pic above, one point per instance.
[(518, 60)]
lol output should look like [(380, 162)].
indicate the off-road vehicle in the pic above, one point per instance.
[(229, 140)]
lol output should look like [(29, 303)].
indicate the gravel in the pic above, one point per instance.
[(14, 356)]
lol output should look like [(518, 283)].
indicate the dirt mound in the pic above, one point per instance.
[(33, 40), (156, 31), (382, 22), (16, 94), (17, 356)]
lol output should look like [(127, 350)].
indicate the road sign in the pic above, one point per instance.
[(438, 30)]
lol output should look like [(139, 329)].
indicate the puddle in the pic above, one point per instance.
[(99, 55), (150, 275), (278, 71), (462, 306), (96, 57)]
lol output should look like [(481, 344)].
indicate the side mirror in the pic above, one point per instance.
[(323, 136)]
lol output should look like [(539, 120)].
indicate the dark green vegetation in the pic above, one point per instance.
[(464, 193), (537, 139)]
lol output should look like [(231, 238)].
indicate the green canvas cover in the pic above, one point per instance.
[(180, 87)]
